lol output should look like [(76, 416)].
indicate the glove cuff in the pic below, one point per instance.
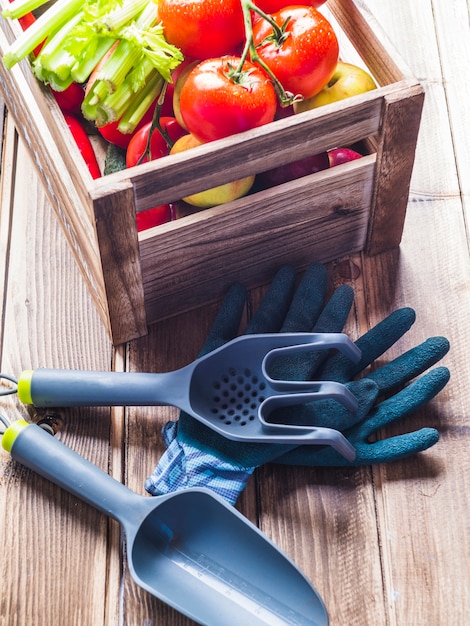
[(184, 465)]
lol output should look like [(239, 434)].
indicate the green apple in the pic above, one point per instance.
[(216, 195), (347, 80)]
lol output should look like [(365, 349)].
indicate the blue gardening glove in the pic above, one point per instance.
[(197, 455)]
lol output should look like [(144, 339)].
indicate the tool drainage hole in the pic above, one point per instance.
[(237, 397), (239, 423)]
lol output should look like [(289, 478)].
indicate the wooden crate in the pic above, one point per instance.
[(136, 279)]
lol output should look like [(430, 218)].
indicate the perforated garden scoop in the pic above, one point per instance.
[(190, 549), (230, 389)]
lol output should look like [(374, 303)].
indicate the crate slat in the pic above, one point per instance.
[(301, 220), (217, 163)]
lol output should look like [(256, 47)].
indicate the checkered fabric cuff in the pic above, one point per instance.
[(184, 465)]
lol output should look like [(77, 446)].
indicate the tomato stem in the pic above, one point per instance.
[(286, 98)]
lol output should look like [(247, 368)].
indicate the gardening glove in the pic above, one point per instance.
[(196, 455)]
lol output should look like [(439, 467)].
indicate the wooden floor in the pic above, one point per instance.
[(385, 546)]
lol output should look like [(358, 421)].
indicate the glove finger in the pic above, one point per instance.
[(395, 448), (303, 317), (404, 403), (372, 344), (410, 364), (335, 313), (331, 320), (401, 405), (308, 300), (329, 413), (391, 449), (271, 313), (227, 321)]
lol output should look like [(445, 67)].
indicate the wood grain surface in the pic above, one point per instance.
[(385, 546)]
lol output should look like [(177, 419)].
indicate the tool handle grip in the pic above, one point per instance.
[(36, 449), (46, 387)]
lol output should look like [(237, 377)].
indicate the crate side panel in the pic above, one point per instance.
[(395, 160), (219, 162), (67, 203), (317, 218), (117, 235)]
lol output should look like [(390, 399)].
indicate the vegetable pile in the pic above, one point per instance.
[(160, 77), (76, 35)]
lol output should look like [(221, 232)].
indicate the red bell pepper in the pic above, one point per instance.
[(84, 144), (70, 99)]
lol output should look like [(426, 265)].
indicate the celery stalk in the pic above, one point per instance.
[(126, 92), (107, 82), (129, 108), (119, 17), (61, 69), (141, 104), (119, 64), (55, 81), (54, 57), (90, 57), (19, 8), (57, 15)]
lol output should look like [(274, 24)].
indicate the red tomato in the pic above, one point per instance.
[(202, 28), (215, 104), (271, 6), (111, 133), (306, 59), (158, 146)]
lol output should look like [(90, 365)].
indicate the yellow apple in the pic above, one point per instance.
[(216, 195), (347, 80), (182, 76)]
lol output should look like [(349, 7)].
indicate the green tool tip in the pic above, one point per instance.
[(11, 433)]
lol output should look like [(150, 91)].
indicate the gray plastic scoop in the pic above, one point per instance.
[(230, 389), (190, 549)]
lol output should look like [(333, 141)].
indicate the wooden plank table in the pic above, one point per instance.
[(385, 546)]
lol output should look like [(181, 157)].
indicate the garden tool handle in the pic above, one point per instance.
[(46, 387), (38, 450)]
